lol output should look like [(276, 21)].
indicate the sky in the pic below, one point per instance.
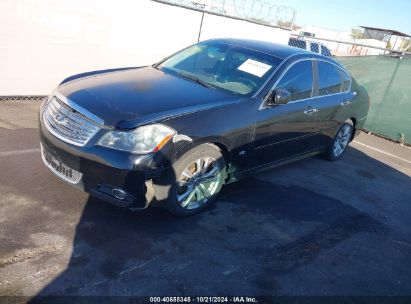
[(347, 14)]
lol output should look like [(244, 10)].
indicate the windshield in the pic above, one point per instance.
[(222, 66)]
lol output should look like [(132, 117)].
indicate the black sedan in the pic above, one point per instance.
[(172, 134)]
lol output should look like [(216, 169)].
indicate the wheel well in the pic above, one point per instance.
[(190, 145), (223, 148), (224, 151), (354, 126)]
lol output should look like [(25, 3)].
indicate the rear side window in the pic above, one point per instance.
[(325, 51), (298, 43), (346, 80), (329, 80), (298, 80), (315, 47)]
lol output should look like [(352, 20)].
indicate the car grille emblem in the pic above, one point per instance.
[(59, 117)]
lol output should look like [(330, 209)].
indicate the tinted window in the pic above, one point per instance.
[(315, 47), (325, 51), (346, 80), (298, 80), (328, 78), (298, 43)]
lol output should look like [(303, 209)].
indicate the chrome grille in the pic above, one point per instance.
[(67, 124)]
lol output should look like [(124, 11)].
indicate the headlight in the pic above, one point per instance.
[(144, 139)]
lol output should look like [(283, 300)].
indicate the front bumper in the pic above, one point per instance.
[(104, 170)]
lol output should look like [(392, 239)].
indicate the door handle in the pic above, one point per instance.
[(310, 111), (345, 102)]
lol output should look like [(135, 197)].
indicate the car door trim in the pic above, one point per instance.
[(284, 141)]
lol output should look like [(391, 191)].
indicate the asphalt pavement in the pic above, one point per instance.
[(309, 228)]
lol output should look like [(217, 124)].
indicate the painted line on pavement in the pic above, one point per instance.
[(19, 152), (383, 152)]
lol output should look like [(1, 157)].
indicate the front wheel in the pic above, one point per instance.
[(340, 142), (193, 182)]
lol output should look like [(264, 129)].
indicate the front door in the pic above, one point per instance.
[(283, 131)]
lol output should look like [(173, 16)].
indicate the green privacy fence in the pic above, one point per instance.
[(388, 82)]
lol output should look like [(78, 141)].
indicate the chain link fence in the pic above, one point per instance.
[(21, 98), (264, 12), (348, 48)]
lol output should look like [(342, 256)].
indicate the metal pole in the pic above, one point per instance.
[(293, 20), (386, 46), (396, 39), (201, 26)]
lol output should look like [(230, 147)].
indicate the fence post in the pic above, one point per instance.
[(293, 20), (201, 26)]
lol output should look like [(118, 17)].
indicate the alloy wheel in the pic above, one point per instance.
[(342, 140), (199, 182)]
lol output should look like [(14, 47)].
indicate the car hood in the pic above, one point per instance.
[(132, 97)]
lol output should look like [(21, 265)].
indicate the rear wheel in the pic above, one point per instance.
[(340, 142), (193, 182)]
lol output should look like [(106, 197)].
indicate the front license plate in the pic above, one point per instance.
[(60, 169)]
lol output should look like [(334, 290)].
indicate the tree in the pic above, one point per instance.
[(356, 34)]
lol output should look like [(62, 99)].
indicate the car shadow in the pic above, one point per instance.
[(256, 232)]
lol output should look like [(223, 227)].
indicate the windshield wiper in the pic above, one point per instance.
[(197, 80)]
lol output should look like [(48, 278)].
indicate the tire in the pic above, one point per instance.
[(342, 138), (173, 186)]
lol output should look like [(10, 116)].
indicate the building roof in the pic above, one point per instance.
[(386, 31)]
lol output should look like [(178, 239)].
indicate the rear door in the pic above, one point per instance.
[(328, 101)]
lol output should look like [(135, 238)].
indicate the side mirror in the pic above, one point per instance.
[(278, 97)]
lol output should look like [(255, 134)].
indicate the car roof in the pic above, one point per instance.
[(278, 50)]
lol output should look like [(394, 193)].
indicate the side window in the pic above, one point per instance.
[(315, 47), (297, 43), (298, 80), (329, 80), (325, 51), (346, 80)]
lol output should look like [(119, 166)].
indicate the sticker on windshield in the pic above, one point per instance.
[(254, 67)]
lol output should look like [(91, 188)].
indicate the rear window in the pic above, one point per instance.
[(298, 43), (329, 80), (315, 47), (325, 51)]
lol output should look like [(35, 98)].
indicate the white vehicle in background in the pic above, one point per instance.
[(310, 45)]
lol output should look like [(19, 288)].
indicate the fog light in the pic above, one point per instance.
[(120, 194)]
